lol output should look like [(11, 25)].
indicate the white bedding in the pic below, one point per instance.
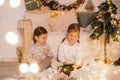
[(98, 71)]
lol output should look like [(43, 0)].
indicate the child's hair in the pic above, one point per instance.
[(39, 31), (74, 27)]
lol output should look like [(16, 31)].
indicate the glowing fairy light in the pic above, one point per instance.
[(115, 72), (34, 68), (24, 68), (2, 2), (14, 3), (105, 71), (11, 38), (94, 72)]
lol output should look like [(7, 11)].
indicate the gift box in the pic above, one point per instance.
[(33, 4)]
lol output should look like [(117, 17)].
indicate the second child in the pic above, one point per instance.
[(40, 51), (70, 50)]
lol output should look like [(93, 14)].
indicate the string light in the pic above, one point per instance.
[(33, 67)]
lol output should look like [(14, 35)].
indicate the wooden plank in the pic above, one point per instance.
[(27, 24)]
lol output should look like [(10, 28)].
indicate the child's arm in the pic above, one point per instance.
[(39, 60), (30, 56), (78, 62), (48, 50), (61, 56)]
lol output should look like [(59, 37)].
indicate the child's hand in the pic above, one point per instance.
[(45, 51), (75, 66), (39, 60)]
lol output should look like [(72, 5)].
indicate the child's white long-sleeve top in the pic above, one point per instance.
[(35, 52), (70, 54)]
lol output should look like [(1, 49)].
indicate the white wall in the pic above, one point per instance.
[(8, 23)]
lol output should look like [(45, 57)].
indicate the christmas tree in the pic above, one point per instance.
[(106, 23)]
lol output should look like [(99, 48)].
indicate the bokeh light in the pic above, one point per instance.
[(14, 3), (11, 37), (2, 2), (24, 67), (34, 68)]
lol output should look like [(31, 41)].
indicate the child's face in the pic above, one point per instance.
[(41, 39), (72, 37)]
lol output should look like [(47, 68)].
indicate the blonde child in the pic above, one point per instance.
[(40, 51), (70, 50)]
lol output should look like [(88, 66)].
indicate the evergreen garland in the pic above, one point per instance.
[(52, 4)]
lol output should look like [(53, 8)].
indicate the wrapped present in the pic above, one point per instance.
[(33, 4), (117, 62), (66, 69)]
